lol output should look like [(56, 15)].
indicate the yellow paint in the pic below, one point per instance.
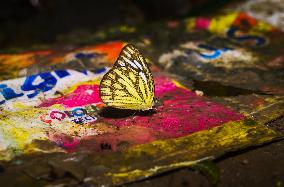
[(21, 136), (19, 128), (179, 84), (190, 24), (261, 27), (19, 105), (11, 64), (221, 24), (185, 151), (154, 170), (267, 114)]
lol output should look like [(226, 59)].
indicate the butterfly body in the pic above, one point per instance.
[(129, 84)]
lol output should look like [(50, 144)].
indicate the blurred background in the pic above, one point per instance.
[(25, 21)]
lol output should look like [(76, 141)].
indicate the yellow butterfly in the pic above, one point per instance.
[(129, 84)]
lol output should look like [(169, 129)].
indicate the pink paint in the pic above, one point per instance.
[(71, 144), (63, 140), (83, 95), (182, 112), (202, 23)]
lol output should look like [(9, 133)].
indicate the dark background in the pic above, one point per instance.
[(23, 22)]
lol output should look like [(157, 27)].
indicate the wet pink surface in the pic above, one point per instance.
[(182, 111)]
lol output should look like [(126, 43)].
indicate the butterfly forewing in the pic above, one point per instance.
[(129, 84)]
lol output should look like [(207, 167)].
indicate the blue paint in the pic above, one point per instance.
[(85, 55), (78, 120), (8, 93), (62, 73), (84, 119), (215, 52), (259, 41), (99, 71), (49, 81), (79, 112), (85, 72)]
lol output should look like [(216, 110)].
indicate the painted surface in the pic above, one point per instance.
[(73, 116), (11, 64), (239, 31), (233, 49), (271, 11), (54, 121), (18, 65), (226, 25), (35, 88)]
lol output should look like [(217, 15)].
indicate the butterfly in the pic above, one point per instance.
[(129, 84)]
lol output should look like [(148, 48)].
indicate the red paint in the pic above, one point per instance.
[(244, 22), (57, 115), (43, 118)]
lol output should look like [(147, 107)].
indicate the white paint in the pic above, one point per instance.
[(89, 92)]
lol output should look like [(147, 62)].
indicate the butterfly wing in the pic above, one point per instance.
[(129, 84), (131, 58)]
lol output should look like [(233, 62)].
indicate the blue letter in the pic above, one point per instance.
[(49, 81), (8, 93), (62, 73), (216, 52), (259, 41)]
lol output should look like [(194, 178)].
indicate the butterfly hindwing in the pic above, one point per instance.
[(129, 84)]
